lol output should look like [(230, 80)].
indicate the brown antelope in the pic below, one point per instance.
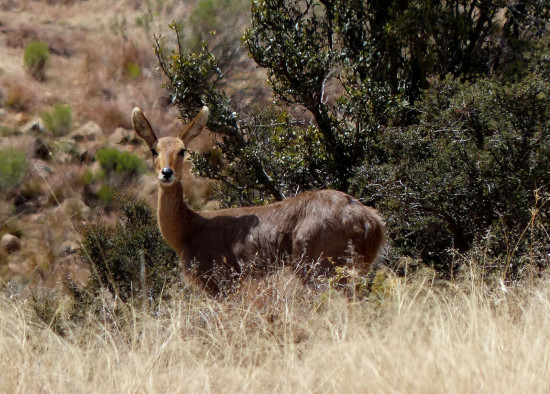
[(321, 228)]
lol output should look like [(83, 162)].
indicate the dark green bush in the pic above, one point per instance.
[(354, 68), (131, 260), (59, 120), (473, 169), (36, 59), (13, 168)]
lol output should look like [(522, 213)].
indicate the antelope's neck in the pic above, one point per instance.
[(174, 216)]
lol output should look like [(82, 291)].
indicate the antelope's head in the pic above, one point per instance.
[(168, 152)]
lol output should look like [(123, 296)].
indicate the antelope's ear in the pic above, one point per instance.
[(142, 127), (195, 127)]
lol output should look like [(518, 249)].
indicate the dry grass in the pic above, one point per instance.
[(18, 96), (277, 336), (20, 35)]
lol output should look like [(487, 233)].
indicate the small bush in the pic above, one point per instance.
[(113, 161), (59, 120), (133, 71), (36, 59), (131, 260), (88, 177), (13, 168), (105, 194), (117, 168)]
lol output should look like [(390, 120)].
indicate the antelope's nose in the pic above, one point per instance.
[(167, 173)]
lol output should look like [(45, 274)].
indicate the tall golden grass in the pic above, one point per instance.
[(412, 334)]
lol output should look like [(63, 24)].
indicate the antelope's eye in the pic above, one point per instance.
[(182, 152), (154, 152)]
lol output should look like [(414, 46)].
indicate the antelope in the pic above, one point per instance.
[(322, 228)]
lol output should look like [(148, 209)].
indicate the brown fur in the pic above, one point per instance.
[(320, 228)]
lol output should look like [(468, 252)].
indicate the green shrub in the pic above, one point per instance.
[(105, 194), (117, 168), (130, 260), (472, 171), (88, 177), (36, 59), (13, 168), (113, 161), (59, 120), (133, 71)]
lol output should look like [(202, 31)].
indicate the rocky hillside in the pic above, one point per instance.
[(70, 122)]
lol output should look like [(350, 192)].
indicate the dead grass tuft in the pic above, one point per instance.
[(108, 114), (18, 94)]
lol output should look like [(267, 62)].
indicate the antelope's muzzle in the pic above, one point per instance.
[(166, 175)]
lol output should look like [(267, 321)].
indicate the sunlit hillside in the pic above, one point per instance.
[(56, 115)]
